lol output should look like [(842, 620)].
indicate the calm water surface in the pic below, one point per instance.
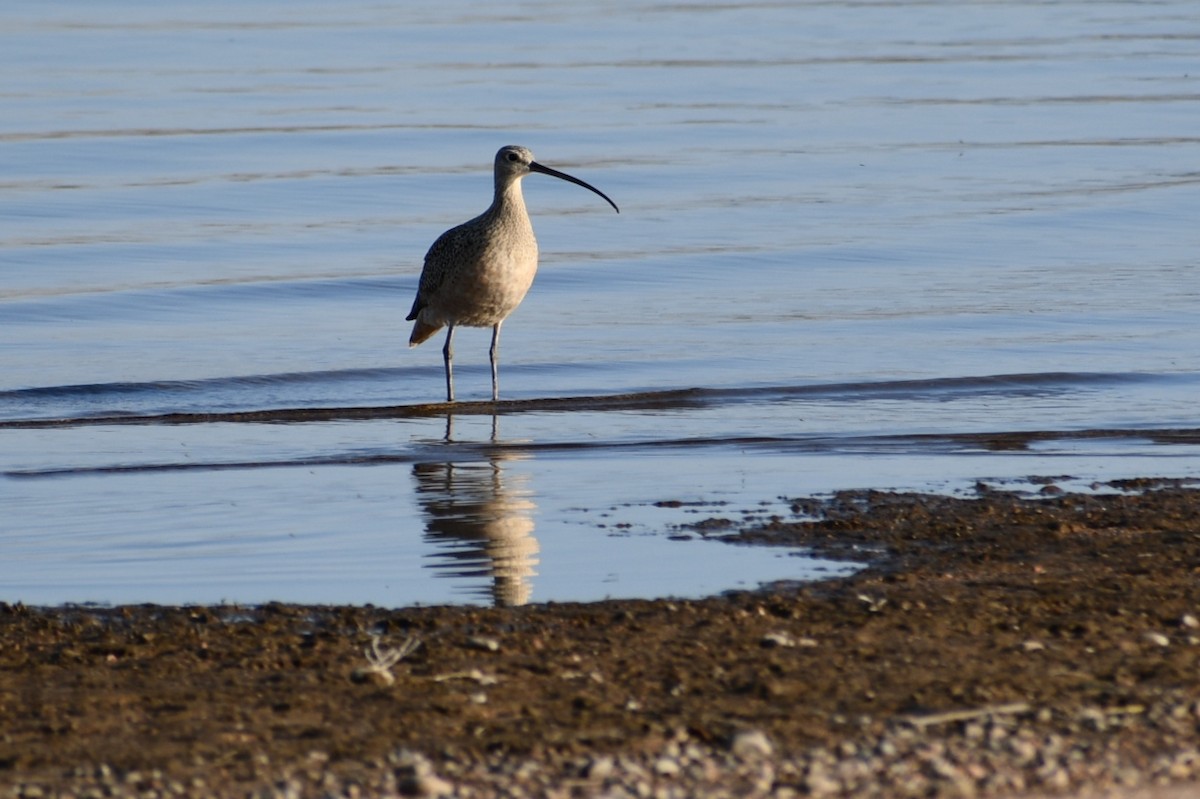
[(860, 231)]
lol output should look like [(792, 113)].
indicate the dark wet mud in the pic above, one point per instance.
[(682, 399), (994, 645)]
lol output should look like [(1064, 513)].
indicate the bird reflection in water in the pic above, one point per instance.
[(479, 515)]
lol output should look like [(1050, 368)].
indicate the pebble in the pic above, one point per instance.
[(751, 743), (777, 639), (483, 644), (986, 756), (416, 777), (599, 768)]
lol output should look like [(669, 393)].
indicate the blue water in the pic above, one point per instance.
[(858, 230)]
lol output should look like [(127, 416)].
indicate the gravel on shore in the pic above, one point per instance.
[(997, 645)]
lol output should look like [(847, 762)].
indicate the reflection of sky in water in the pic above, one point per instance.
[(226, 209)]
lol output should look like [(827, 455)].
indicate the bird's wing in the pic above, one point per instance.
[(434, 272)]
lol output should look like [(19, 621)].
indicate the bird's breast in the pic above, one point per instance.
[(487, 283)]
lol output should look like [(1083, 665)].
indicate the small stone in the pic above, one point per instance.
[(1055, 778), (666, 767), (434, 786), (599, 768), (1182, 766), (375, 676), (777, 639), (1092, 719), (1158, 639), (751, 743), (415, 776), (1033, 646), (1189, 621), (1024, 751), (820, 783), (483, 644)]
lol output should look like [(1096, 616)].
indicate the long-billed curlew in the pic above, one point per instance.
[(476, 274)]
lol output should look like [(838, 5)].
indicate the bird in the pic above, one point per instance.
[(476, 274)]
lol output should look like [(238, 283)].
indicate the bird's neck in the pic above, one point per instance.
[(508, 202)]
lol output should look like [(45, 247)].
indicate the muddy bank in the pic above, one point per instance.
[(993, 645)]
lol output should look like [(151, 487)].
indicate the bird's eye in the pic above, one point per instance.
[(513, 157)]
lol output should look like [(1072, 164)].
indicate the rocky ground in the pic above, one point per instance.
[(994, 646)]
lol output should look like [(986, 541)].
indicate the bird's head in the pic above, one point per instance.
[(514, 162)]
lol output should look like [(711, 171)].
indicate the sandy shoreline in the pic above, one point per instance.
[(994, 646)]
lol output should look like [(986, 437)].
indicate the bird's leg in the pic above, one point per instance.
[(448, 357), (494, 353)]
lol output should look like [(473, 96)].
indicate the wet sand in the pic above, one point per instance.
[(994, 645)]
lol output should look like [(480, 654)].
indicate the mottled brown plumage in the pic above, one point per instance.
[(476, 274)]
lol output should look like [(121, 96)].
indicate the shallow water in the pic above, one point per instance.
[(851, 235)]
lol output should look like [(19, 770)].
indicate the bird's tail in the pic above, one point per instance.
[(421, 332)]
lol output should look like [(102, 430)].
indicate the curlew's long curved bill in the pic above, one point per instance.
[(534, 166)]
